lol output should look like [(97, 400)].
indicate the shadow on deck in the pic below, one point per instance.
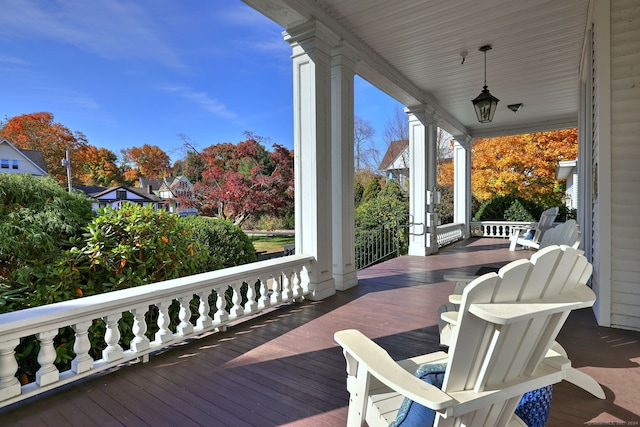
[(284, 368)]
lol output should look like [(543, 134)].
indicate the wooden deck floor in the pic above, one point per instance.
[(285, 369)]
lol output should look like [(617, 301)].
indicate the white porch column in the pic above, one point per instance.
[(462, 182), (342, 118), (311, 43), (423, 136)]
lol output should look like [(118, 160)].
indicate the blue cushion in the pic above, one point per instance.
[(533, 408), (530, 235), (413, 414)]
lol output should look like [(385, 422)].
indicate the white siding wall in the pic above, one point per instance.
[(625, 161)]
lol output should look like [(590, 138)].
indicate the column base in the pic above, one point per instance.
[(346, 281), (320, 291)]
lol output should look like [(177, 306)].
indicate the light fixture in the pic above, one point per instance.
[(485, 103), (514, 107)]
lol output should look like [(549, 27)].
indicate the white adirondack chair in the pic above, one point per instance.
[(567, 232), (500, 348), (529, 237)]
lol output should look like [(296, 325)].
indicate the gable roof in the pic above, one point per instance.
[(36, 158), (394, 150), (100, 192)]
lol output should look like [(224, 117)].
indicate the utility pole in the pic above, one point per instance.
[(67, 163)]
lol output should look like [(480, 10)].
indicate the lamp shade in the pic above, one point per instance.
[(485, 105)]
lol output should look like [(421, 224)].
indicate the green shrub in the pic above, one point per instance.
[(227, 244), (37, 218), (509, 208)]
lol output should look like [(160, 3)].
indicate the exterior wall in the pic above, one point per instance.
[(625, 155), (8, 153), (609, 203)]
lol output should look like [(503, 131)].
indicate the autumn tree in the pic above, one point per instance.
[(245, 180), (95, 166), (39, 131), (522, 165), (148, 161)]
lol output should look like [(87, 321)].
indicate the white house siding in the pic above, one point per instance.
[(599, 283), (625, 161), (9, 154)]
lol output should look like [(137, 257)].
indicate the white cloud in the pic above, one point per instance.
[(203, 100)]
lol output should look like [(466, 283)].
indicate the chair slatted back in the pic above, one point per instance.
[(487, 355)]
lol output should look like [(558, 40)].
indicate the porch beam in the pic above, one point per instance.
[(311, 43), (371, 66)]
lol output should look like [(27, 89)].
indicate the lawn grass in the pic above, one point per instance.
[(266, 243)]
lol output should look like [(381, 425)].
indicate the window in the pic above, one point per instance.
[(121, 194), (4, 163), (14, 164)]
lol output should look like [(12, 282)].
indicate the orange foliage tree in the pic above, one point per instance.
[(148, 161), (521, 165), (38, 131), (95, 166)]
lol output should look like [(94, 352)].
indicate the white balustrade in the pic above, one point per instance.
[(288, 280)]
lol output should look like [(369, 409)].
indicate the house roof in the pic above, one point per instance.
[(100, 192), (393, 151)]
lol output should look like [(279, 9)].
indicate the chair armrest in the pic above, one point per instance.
[(377, 362), (450, 317), (455, 299)]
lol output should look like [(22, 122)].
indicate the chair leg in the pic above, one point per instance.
[(585, 382)]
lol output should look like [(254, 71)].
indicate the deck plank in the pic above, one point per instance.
[(284, 368)]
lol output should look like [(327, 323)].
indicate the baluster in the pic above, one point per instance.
[(82, 362), (237, 310), (9, 384), (296, 289), (221, 314), (204, 321), (263, 299), (48, 373), (276, 296), (164, 334), (287, 291), (251, 305), (140, 342), (184, 327), (113, 351), (303, 284)]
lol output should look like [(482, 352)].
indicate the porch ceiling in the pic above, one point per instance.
[(411, 50)]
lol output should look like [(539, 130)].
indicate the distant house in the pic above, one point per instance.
[(395, 163), (15, 160), (115, 196), (568, 170), (171, 189)]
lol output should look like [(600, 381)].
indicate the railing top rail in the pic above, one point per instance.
[(67, 312)]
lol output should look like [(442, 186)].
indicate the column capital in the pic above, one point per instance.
[(463, 140), (310, 35), (422, 112), (343, 54)]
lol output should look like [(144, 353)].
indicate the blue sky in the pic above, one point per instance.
[(128, 73)]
